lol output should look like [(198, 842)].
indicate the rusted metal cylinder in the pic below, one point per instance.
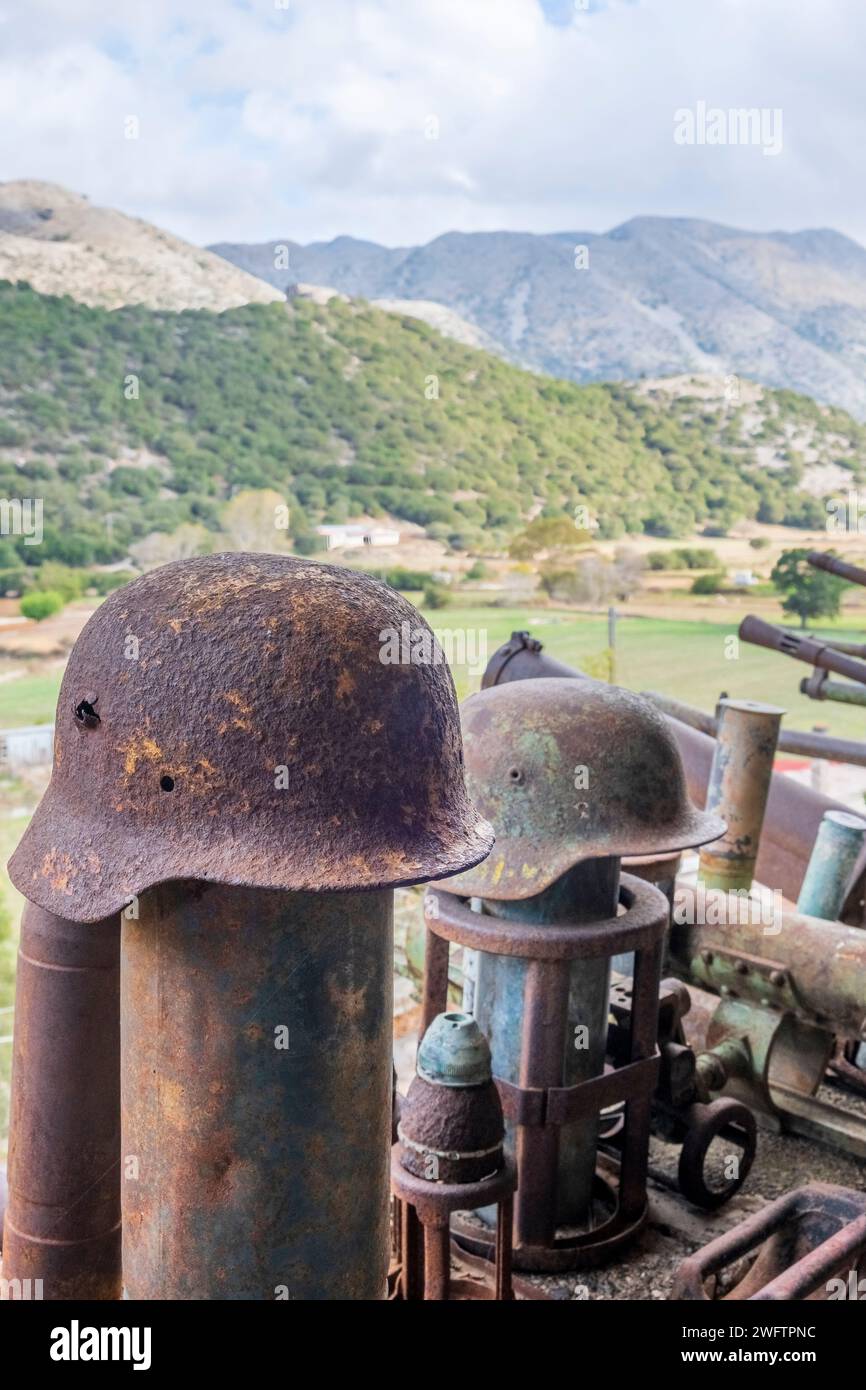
[(838, 846), (819, 687), (257, 1076), (825, 960), (63, 1217), (738, 788), (833, 565)]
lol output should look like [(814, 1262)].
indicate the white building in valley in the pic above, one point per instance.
[(341, 537)]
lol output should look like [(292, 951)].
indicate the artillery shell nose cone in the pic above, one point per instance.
[(454, 1052)]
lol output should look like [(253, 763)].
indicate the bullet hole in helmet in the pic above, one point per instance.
[(85, 712), (167, 784), (515, 775)]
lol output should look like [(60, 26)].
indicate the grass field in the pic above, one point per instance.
[(29, 699), (684, 659)]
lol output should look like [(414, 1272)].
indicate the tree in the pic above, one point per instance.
[(41, 604), (591, 580), (158, 548), (628, 566), (256, 519), (547, 533), (808, 592)]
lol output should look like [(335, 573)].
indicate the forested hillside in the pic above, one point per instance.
[(132, 420)]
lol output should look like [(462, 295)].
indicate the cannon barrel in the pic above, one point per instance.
[(808, 649), (820, 560)]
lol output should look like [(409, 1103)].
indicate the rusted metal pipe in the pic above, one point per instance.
[(808, 745), (809, 1241), (257, 1077), (821, 560), (738, 788), (806, 965), (818, 687), (801, 648), (63, 1216)]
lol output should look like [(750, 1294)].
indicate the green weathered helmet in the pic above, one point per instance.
[(566, 770)]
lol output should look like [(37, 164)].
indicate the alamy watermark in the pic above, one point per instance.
[(22, 516), (420, 646), (700, 906), (847, 513), (732, 125)]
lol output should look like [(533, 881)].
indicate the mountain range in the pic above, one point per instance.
[(654, 297), (159, 381)]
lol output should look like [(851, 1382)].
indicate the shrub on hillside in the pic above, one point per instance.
[(41, 603), (708, 584)]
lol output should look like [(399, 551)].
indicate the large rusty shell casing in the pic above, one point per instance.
[(738, 787), (256, 1079), (255, 720), (63, 1216), (568, 770)]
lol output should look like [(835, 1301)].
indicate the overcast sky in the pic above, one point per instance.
[(259, 121)]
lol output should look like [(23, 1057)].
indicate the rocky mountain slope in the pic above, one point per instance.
[(60, 244), (653, 297)]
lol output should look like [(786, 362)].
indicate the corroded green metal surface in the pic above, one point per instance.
[(587, 892), (837, 847), (568, 770)]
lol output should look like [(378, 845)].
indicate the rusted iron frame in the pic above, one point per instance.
[(841, 1251), (682, 1111), (426, 1210), (537, 1108)]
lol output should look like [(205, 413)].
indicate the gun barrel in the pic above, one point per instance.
[(833, 565), (801, 648)]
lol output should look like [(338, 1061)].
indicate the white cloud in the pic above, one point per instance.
[(308, 122)]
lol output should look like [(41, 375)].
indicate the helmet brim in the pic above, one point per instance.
[(93, 870), (521, 868)]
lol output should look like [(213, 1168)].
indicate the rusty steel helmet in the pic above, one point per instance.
[(567, 770), (250, 719)]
